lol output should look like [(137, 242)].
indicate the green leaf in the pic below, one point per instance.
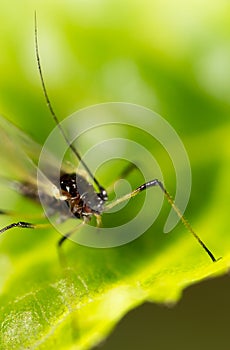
[(46, 304), (73, 299)]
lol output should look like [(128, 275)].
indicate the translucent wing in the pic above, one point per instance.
[(19, 158)]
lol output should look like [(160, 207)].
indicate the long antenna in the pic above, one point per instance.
[(101, 189)]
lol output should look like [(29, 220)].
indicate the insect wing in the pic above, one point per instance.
[(19, 159)]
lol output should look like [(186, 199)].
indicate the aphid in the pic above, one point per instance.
[(83, 198)]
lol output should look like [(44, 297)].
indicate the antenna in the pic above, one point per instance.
[(102, 193)]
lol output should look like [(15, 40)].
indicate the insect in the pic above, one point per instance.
[(85, 199)]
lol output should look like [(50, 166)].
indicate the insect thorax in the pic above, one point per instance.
[(82, 199)]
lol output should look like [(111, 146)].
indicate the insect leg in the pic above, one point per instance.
[(62, 240), (68, 234), (125, 172), (20, 224), (23, 224), (4, 212), (158, 183)]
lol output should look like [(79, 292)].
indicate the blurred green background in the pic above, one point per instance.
[(172, 57)]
